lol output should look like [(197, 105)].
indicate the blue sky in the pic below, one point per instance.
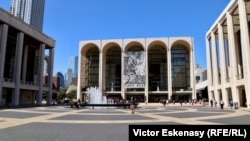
[(69, 22)]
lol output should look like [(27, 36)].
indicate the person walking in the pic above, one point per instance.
[(164, 102), (211, 103), (78, 103), (132, 105), (221, 104), (215, 103), (75, 103), (231, 103)]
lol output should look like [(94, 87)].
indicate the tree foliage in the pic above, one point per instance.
[(61, 94), (72, 94)]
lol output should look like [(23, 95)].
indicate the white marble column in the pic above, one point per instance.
[(80, 75), (146, 71), (17, 70), (170, 91), (232, 57), (223, 64), (214, 66), (3, 44), (209, 69), (192, 68), (104, 66), (122, 65), (245, 47), (146, 96), (222, 54), (100, 71)]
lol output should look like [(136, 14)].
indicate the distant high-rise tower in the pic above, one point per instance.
[(30, 11), (60, 75), (73, 64)]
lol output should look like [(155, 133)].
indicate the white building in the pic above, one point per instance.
[(149, 69), (228, 54)]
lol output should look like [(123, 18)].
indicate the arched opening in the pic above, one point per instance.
[(180, 68), (113, 69), (92, 67)]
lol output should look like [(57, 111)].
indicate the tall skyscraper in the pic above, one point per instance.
[(60, 75), (73, 64), (30, 11)]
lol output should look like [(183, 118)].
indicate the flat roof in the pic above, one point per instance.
[(11, 20)]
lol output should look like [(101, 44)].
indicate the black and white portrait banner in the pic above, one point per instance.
[(134, 73)]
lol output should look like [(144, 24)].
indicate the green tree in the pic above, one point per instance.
[(62, 94), (72, 94)]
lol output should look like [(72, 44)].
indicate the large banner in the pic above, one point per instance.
[(134, 73)]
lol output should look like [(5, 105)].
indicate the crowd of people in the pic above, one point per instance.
[(190, 101), (213, 103), (76, 103), (133, 103)]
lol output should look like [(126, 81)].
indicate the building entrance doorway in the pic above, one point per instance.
[(242, 97)]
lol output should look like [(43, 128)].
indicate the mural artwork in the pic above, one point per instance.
[(134, 65)]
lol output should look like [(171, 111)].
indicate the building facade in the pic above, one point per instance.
[(30, 11), (149, 69), (228, 55), (22, 55)]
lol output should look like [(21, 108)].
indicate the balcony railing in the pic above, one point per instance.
[(29, 83), (8, 80)]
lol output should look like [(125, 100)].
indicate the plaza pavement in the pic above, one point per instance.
[(62, 123)]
